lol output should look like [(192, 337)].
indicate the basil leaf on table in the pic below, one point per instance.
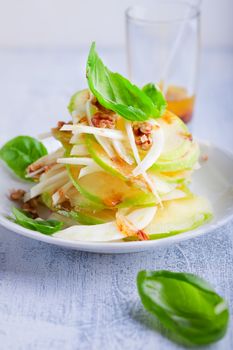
[(117, 93), (185, 304), (156, 96), (47, 227), (20, 152)]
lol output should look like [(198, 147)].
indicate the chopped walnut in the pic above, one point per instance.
[(31, 207), (65, 205), (104, 120), (83, 121), (142, 132), (94, 100), (17, 195), (48, 167), (204, 157), (142, 128), (38, 170), (143, 138), (33, 167), (60, 124), (145, 142)]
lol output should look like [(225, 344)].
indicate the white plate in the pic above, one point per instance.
[(214, 180)]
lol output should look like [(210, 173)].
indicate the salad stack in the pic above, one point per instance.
[(123, 167)]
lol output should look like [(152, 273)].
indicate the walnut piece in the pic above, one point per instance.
[(204, 157), (31, 207), (142, 128), (61, 123), (104, 120), (142, 132), (17, 195), (33, 167)]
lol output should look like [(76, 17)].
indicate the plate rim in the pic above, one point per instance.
[(121, 247)]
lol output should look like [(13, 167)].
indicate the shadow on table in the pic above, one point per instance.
[(144, 318)]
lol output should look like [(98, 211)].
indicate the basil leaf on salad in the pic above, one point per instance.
[(185, 304), (117, 93), (20, 152), (156, 96), (47, 227)]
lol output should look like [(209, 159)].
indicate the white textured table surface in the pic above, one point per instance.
[(57, 299)]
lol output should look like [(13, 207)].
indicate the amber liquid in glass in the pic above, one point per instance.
[(180, 103)]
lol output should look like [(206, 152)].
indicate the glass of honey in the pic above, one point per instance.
[(163, 46)]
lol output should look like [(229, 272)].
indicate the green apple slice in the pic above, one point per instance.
[(114, 166), (188, 150), (78, 102), (83, 211), (72, 218), (89, 218), (63, 137), (177, 177), (176, 135), (118, 167), (80, 202), (112, 192), (186, 162), (109, 191), (178, 216), (109, 231)]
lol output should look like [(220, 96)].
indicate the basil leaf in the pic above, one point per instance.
[(20, 152), (185, 304), (156, 96), (116, 93), (47, 227)]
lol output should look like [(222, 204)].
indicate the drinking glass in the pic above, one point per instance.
[(163, 45)]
